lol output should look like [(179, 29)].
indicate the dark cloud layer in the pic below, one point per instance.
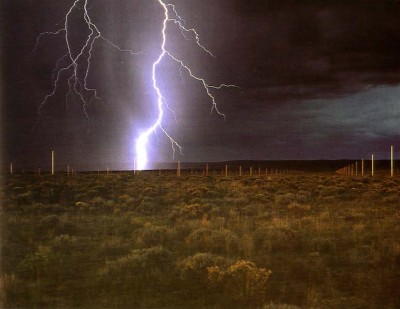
[(303, 66), (303, 49)]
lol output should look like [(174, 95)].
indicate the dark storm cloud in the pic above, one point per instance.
[(315, 77), (329, 128), (304, 49)]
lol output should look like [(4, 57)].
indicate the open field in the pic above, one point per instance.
[(149, 241)]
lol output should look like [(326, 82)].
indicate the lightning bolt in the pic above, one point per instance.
[(74, 66), (171, 16)]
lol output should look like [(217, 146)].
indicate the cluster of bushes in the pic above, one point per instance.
[(149, 241)]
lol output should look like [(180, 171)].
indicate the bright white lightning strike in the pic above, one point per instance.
[(74, 68), (141, 142), (75, 64)]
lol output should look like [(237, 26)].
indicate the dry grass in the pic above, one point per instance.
[(141, 241)]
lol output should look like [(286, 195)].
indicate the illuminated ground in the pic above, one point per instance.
[(149, 241)]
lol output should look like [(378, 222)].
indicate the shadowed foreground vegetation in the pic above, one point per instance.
[(119, 241)]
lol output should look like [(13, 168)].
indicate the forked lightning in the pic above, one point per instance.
[(171, 16), (74, 68)]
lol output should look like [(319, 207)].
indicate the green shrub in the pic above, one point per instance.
[(167, 242), (139, 276), (151, 236), (285, 199), (194, 268), (49, 222), (25, 198), (216, 241), (243, 282)]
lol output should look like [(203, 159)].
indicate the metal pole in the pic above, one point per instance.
[(362, 167), (52, 162), (372, 165), (391, 161)]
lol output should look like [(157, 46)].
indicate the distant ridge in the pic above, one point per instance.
[(313, 166), (295, 165)]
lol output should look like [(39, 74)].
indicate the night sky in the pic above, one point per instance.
[(317, 80)]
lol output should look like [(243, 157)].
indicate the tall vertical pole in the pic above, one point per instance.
[(178, 170), (372, 165), (68, 169), (356, 168), (226, 170), (52, 162), (240, 170), (251, 171), (362, 167), (391, 161), (206, 169), (11, 168), (108, 170)]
